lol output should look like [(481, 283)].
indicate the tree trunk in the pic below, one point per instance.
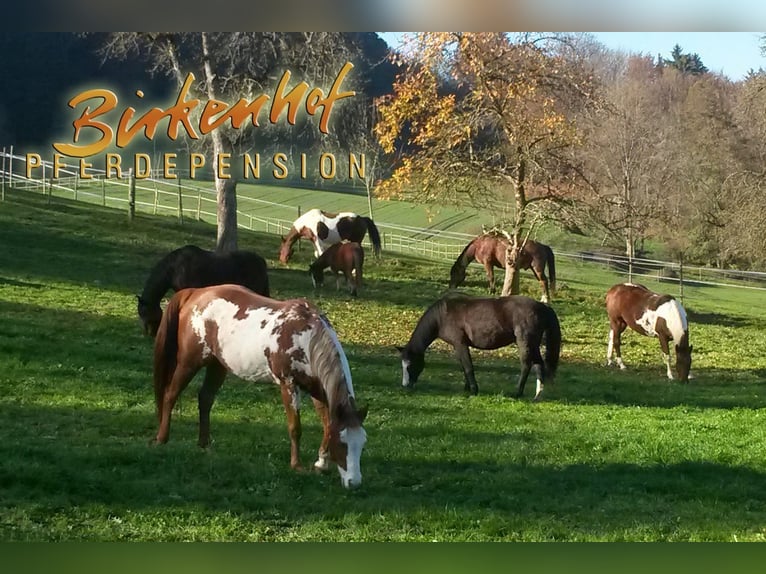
[(511, 284), (226, 189)]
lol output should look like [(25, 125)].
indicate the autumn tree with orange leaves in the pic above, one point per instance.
[(486, 119)]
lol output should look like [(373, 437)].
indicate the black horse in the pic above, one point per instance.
[(192, 266), (487, 323)]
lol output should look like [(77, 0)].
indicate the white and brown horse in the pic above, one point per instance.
[(230, 329), (489, 249), (653, 315), (324, 229)]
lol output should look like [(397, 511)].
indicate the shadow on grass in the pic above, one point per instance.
[(59, 460), (720, 320)]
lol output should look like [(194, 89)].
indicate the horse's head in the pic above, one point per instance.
[(683, 361), (347, 440), (456, 276), (150, 315), (317, 274), (412, 366), (285, 251)]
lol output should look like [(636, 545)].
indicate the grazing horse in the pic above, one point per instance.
[(489, 249), (345, 258), (325, 229), (487, 323), (230, 329), (653, 315), (191, 266)]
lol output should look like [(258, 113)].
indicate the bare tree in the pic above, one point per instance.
[(230, 66)]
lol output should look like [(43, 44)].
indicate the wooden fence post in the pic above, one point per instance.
[(76, 184), (180, 203), (681, 277), (199, 204), (103, 190), (300, 241), (10, 169), (2, 175), (156, 195), (131, 195)]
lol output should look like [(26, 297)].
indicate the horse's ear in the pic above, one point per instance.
[(362, 413)]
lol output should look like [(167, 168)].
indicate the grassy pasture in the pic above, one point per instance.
[(607, 455)]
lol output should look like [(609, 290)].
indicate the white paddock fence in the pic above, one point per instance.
[(186, 198)]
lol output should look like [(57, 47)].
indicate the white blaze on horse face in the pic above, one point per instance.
[(675, 318), (405, 373), (242, 342), (355, 439)]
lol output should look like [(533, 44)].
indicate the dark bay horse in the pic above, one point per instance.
[(342, 258), (487, 323), (191, 266), (230, 329), (489, 250), (325, 229), (653, 315)]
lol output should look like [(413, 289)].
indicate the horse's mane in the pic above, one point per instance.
[(292, 235), (464, 258), (428, 325), (329, 365), (160, 277)]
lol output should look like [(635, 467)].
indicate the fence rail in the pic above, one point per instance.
[(197, 200)]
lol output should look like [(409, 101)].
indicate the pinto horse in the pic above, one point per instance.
[(325, 229), (487, 323), (653, 315), (490, 249), (230, 329), (191, 266), (345, 258)]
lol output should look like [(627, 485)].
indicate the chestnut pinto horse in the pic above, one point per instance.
[(345, 258), (487, 323), (489, 249), (653, 315), (230, 329), (325, 229), (191, 266)]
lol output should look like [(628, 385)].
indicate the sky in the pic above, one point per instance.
[(730, 53)]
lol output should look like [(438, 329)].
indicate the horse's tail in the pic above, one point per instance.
[(552, 341), (551, 268), (166, 349), (374, 235), (457, 272)]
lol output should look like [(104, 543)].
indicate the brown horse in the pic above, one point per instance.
[(489, 250), (487, 323), (324, 229), (653, 315), (230, 329), (345, 258)]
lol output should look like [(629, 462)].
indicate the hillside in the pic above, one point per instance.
[(607, 455)]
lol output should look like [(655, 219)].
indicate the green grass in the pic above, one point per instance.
[(608, 455)]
